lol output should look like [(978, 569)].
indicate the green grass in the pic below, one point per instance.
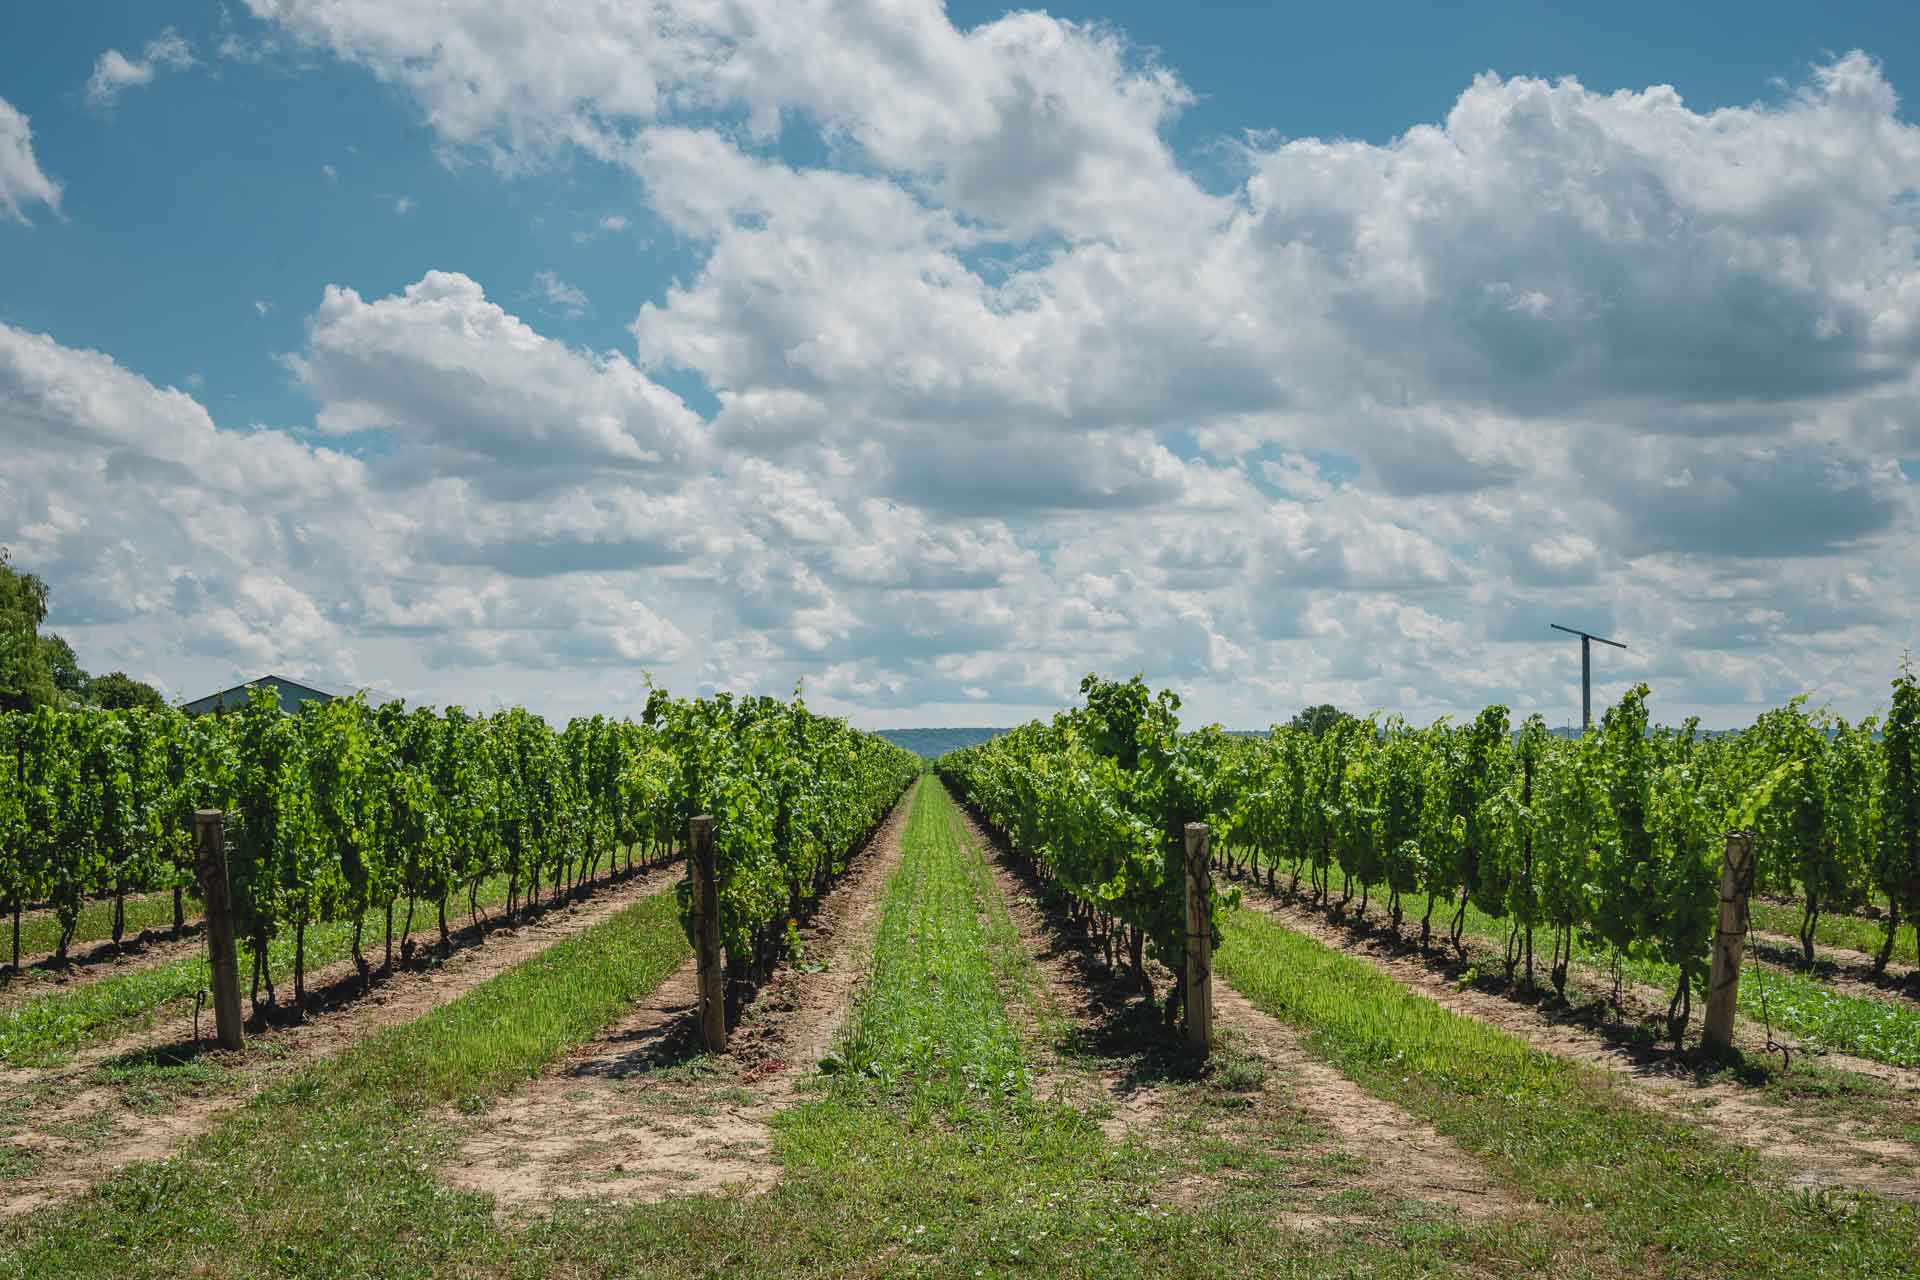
[(1821, 1017), (932, 1027), (43, 1030), (332, 1173), (1638, 1193), (40, 932), (1883, 1030), (946, 1163), (930, 1153), (1848, 933)]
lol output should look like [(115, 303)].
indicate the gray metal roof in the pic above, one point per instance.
[(292, 694)]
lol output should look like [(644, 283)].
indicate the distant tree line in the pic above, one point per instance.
[(42, 670)]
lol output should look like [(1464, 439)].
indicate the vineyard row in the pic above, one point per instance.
[(349, 808), (1616, 836)]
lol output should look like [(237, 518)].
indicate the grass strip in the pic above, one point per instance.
[(332, 1173), (919, 1159), (42, 1030), (1638, 1193), (40, 932), (931, 1028), (929, 1152), (1822, 1017), (1846, 932)]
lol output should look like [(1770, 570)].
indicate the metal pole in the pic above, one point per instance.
[(1586, 684), (1586, 670)]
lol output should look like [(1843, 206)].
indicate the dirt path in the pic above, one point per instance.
[(143, 1097), (641, 1113), (1818, 1149), (1346, 1156)]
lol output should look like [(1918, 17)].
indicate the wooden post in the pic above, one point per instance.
[(706, 935), (1199, 995), (1730, 941), (210, 863)]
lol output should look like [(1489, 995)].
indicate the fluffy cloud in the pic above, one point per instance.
[(21, 181), (131, 499), (1004, 394), (1029, 122), (114, 73), (178, 544), (460, 387), (1547, 249)]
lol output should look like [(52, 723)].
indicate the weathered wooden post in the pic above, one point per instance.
[(706, 935), (1199, 976), (210, 863), (1730, 941)]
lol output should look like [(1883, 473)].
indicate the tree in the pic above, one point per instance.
[(26, 681), (118, 691), (64, 666), (1316, 720)]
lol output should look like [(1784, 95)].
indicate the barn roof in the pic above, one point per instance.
[(293, 695)]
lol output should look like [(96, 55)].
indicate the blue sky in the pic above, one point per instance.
[(194, 197), (818, 350), (204, 192)]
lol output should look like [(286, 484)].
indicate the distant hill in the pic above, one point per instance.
[(937, 742)]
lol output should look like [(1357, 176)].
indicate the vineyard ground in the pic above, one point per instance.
[(143, 1096), (1841, 930), (1827, 1127), (1842, 969), (146, 916), (1623, 1189), (149, 939), (46, 1026), (939, 1143), (1874, 1033), (641, 1112), (39, 926), (1885, 1029), (95, 962), (1265, 1124)]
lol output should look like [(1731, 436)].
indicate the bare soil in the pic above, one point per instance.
[(76, 1127), (1817, 1147), (1310, 1139), (642, 1113)]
